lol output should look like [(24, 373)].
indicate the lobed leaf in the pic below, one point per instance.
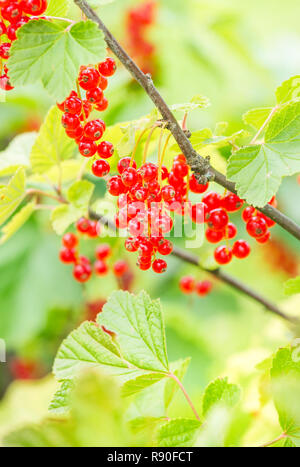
[(220, 392), (12, 195), (17, 222), (179, 432)]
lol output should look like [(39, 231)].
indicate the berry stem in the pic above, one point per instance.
[(136, 146), (146, 147), (270, 443), (188, 399)]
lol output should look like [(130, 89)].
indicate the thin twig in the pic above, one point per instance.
[(189, 401), (270, 443)]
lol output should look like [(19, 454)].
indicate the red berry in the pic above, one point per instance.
[(70, 240), (232, 202), (168, 192), (115, 186), (67, 255), (165, 248), (230, 231), (89, 78), (212, 236), (148, 171), (105, 149), (135, 227), (203, 288), (187, 284), (223, 255), (103, 251), (248, 212), (256, 227), (70, 122), (180, 169), (101, 268), (119, 268), (100, 168), (94, 130), (4, 50), (83, 225), (2, 28), (108, 67), (75, 134), (139, 193), (103, 105), (218, 219), (175, 181), (130, 177), (131, 244), (87, 148), (144, 266), (196, 187), (94, 96), (73, 105), (265, 238), (241, 249), (212, 200), (270, 223), (164, 172), (124, 163), (12, 12), (159, 266), (94, 229), (103, 83), (198, 213), (82, 272), (34, 7)]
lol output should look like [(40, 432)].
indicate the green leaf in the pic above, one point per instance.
[(17, 153), (288, 90), (63, 216), (179, 369), (57, 55), (80, 193), (133, 386), (138, 323), (17, 222), (197, 102), (179, 432), (285, 375), (60, 403), (198, 138), (257, 117), (58, 8), (258, 170), (220, 392), (292, 286), (52, 144), (87, 346), (12, 195)]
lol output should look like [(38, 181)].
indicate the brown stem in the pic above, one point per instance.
[(270, 443), (197, 163)]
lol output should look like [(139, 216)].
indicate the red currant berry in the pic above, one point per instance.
[(4, 50), (2, 28), (159, 266), (67, 255), (87, 148), (102, 106), (198, 213), (168, 192), (144, 266), (94, 229), (89, 78), (94, 96), (101, 268), (223, 254), (130, 177), (212, 236), (139, 193), (212, 200), (218, 219), (203, 288), (230, 231), (83, 225), (232, 202), (12, 12), (120, 268), (94, 130), (103, 83), (165, 248), (105, 149), (164, 173), (265, 238), (187, 284), (256, 227), (180, 169), (148, 171), (108, 67), (103, 251), (248, 212), (175, 181), (135, 227), (241, 249), (180, 158), (70, 240), (82, 272), (270, 223), (131, 244), (34, 7), (124, 163), (196, 187), (115, 186), (70, 122), (100, 168)]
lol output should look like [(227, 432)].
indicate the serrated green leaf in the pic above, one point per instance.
[(179, 432), (133, 386), (63, 216), (288, 90), (58, 8), (80, 193), (292, 286), (56, 57), (17, 222), (179, 369), (258, 170), (52, 144), (138, 323), (285, 375), (17, 153), (60, 403), (257, 117), (12, 195), (197, 102), (198, 137), (220, 392)]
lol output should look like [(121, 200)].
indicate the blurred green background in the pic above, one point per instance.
[(236, 53)]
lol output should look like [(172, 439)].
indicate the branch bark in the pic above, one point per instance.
[(218, 273), (197, 163)]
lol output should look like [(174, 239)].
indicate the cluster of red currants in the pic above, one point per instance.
[(189, 285), (13, 15), (139, 19), (83, 268), (93, 80)]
